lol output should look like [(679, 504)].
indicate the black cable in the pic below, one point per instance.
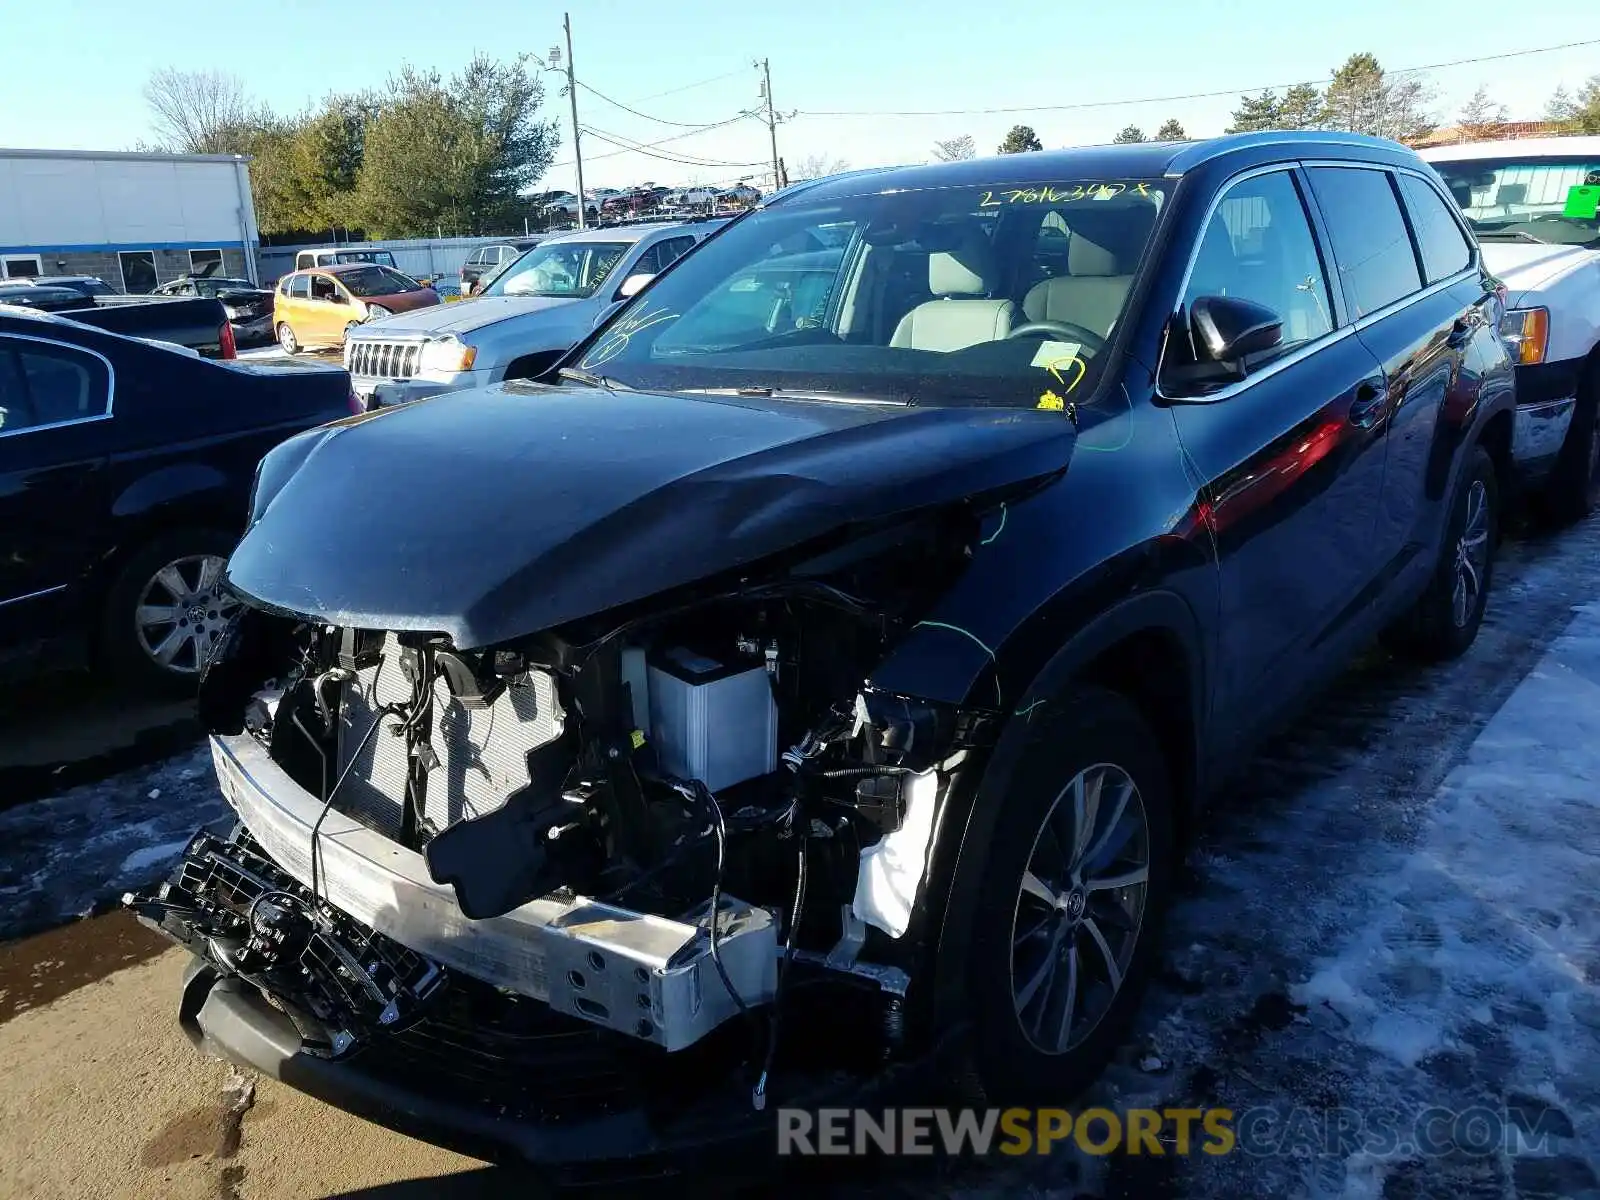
[(759, 1097), (710, 801), (327, 803)]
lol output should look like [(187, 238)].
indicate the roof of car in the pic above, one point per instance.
[(1135, 160), (615, 233), (1550, 147)]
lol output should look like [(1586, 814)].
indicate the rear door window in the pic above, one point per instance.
[(1372, 250), (300, 289), (1445, 249), (43, 384)]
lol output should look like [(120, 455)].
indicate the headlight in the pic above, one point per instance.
[(447, 356), (234, 314), (1526, 333)]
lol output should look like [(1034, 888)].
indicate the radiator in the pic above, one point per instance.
[(482, 752)]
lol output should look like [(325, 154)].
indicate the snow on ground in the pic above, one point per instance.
[(79, 851)]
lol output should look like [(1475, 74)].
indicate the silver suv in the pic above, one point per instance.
[(529, 315)]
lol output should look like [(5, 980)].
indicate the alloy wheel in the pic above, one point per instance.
[(182, 611), (1080, 908), (1472, 555)]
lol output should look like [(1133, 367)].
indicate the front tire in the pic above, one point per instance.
[(165, 610), (287, 339), (1445, 619), (1078, 873)]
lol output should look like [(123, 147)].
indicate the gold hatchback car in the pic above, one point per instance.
[(317, 308)]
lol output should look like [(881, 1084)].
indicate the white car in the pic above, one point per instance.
[(524, 319), (1533, 205)]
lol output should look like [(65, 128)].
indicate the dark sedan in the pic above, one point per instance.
[(124, 470), (808, 684)]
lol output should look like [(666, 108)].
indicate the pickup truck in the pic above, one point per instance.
[(200, 323), (1533, 205), (125, 469)]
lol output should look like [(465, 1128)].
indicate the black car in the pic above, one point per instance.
[(249, 307), (124, 472), (41, 299), (893, 578), (487, 260)]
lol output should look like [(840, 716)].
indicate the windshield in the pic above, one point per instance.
[(377, 281), (575, 269), (996, 296), (1529, 199), (365, 256)]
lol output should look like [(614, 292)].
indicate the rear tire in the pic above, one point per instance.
[(1445, 619), (1053, 948), (287, 339), (1572, 491), (167, 601)]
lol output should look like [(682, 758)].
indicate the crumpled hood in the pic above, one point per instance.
[(1527, 266), (463, 316), (498, 512)]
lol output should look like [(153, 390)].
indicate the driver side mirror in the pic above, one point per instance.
[(1227, 330), (633, 285), (1222, 333)]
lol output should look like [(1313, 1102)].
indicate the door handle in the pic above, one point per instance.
[(1367, 406)]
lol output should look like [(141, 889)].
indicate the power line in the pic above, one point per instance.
[(677, 137), (688, 86), (1232, 91), (658, 120), (649, 151)]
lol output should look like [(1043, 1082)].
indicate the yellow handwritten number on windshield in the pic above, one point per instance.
[(1062, 195)]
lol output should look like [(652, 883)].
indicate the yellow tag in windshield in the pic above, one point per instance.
[(1051, 402)]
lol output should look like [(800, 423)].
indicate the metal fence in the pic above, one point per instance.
[(419, 257)]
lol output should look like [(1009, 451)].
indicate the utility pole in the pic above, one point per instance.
[(572, 94), (772, 124)]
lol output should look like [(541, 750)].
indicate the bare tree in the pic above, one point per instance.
[(1481, 118), (955, 149), (200, 112), (816, 166), (1364, 99)]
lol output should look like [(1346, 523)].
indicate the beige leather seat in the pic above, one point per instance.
[(1091, 294), (955, 320)]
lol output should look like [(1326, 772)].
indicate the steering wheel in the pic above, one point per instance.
[(1087, 337)]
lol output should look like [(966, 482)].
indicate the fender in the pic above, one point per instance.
[(966, 826), (189, 482)]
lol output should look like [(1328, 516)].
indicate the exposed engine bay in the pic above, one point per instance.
[(653, 821)]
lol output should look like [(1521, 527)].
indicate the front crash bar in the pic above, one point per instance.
[(643, 975)]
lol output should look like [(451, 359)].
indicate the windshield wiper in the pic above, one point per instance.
[(590, 379), (771, 393)]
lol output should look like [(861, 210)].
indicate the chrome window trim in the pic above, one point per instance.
[(1338, 333), (111, 383), (40, 594)]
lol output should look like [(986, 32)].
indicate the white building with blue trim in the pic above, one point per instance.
[(135, 220)]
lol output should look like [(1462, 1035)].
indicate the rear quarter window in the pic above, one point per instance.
[(1376, 263)]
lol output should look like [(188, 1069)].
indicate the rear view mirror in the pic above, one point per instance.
[(633, 284), (1226, 329)]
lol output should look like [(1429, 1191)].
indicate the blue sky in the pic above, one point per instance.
[(825, 55)]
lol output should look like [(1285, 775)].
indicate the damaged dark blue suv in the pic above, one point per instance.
[(808, 685)]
